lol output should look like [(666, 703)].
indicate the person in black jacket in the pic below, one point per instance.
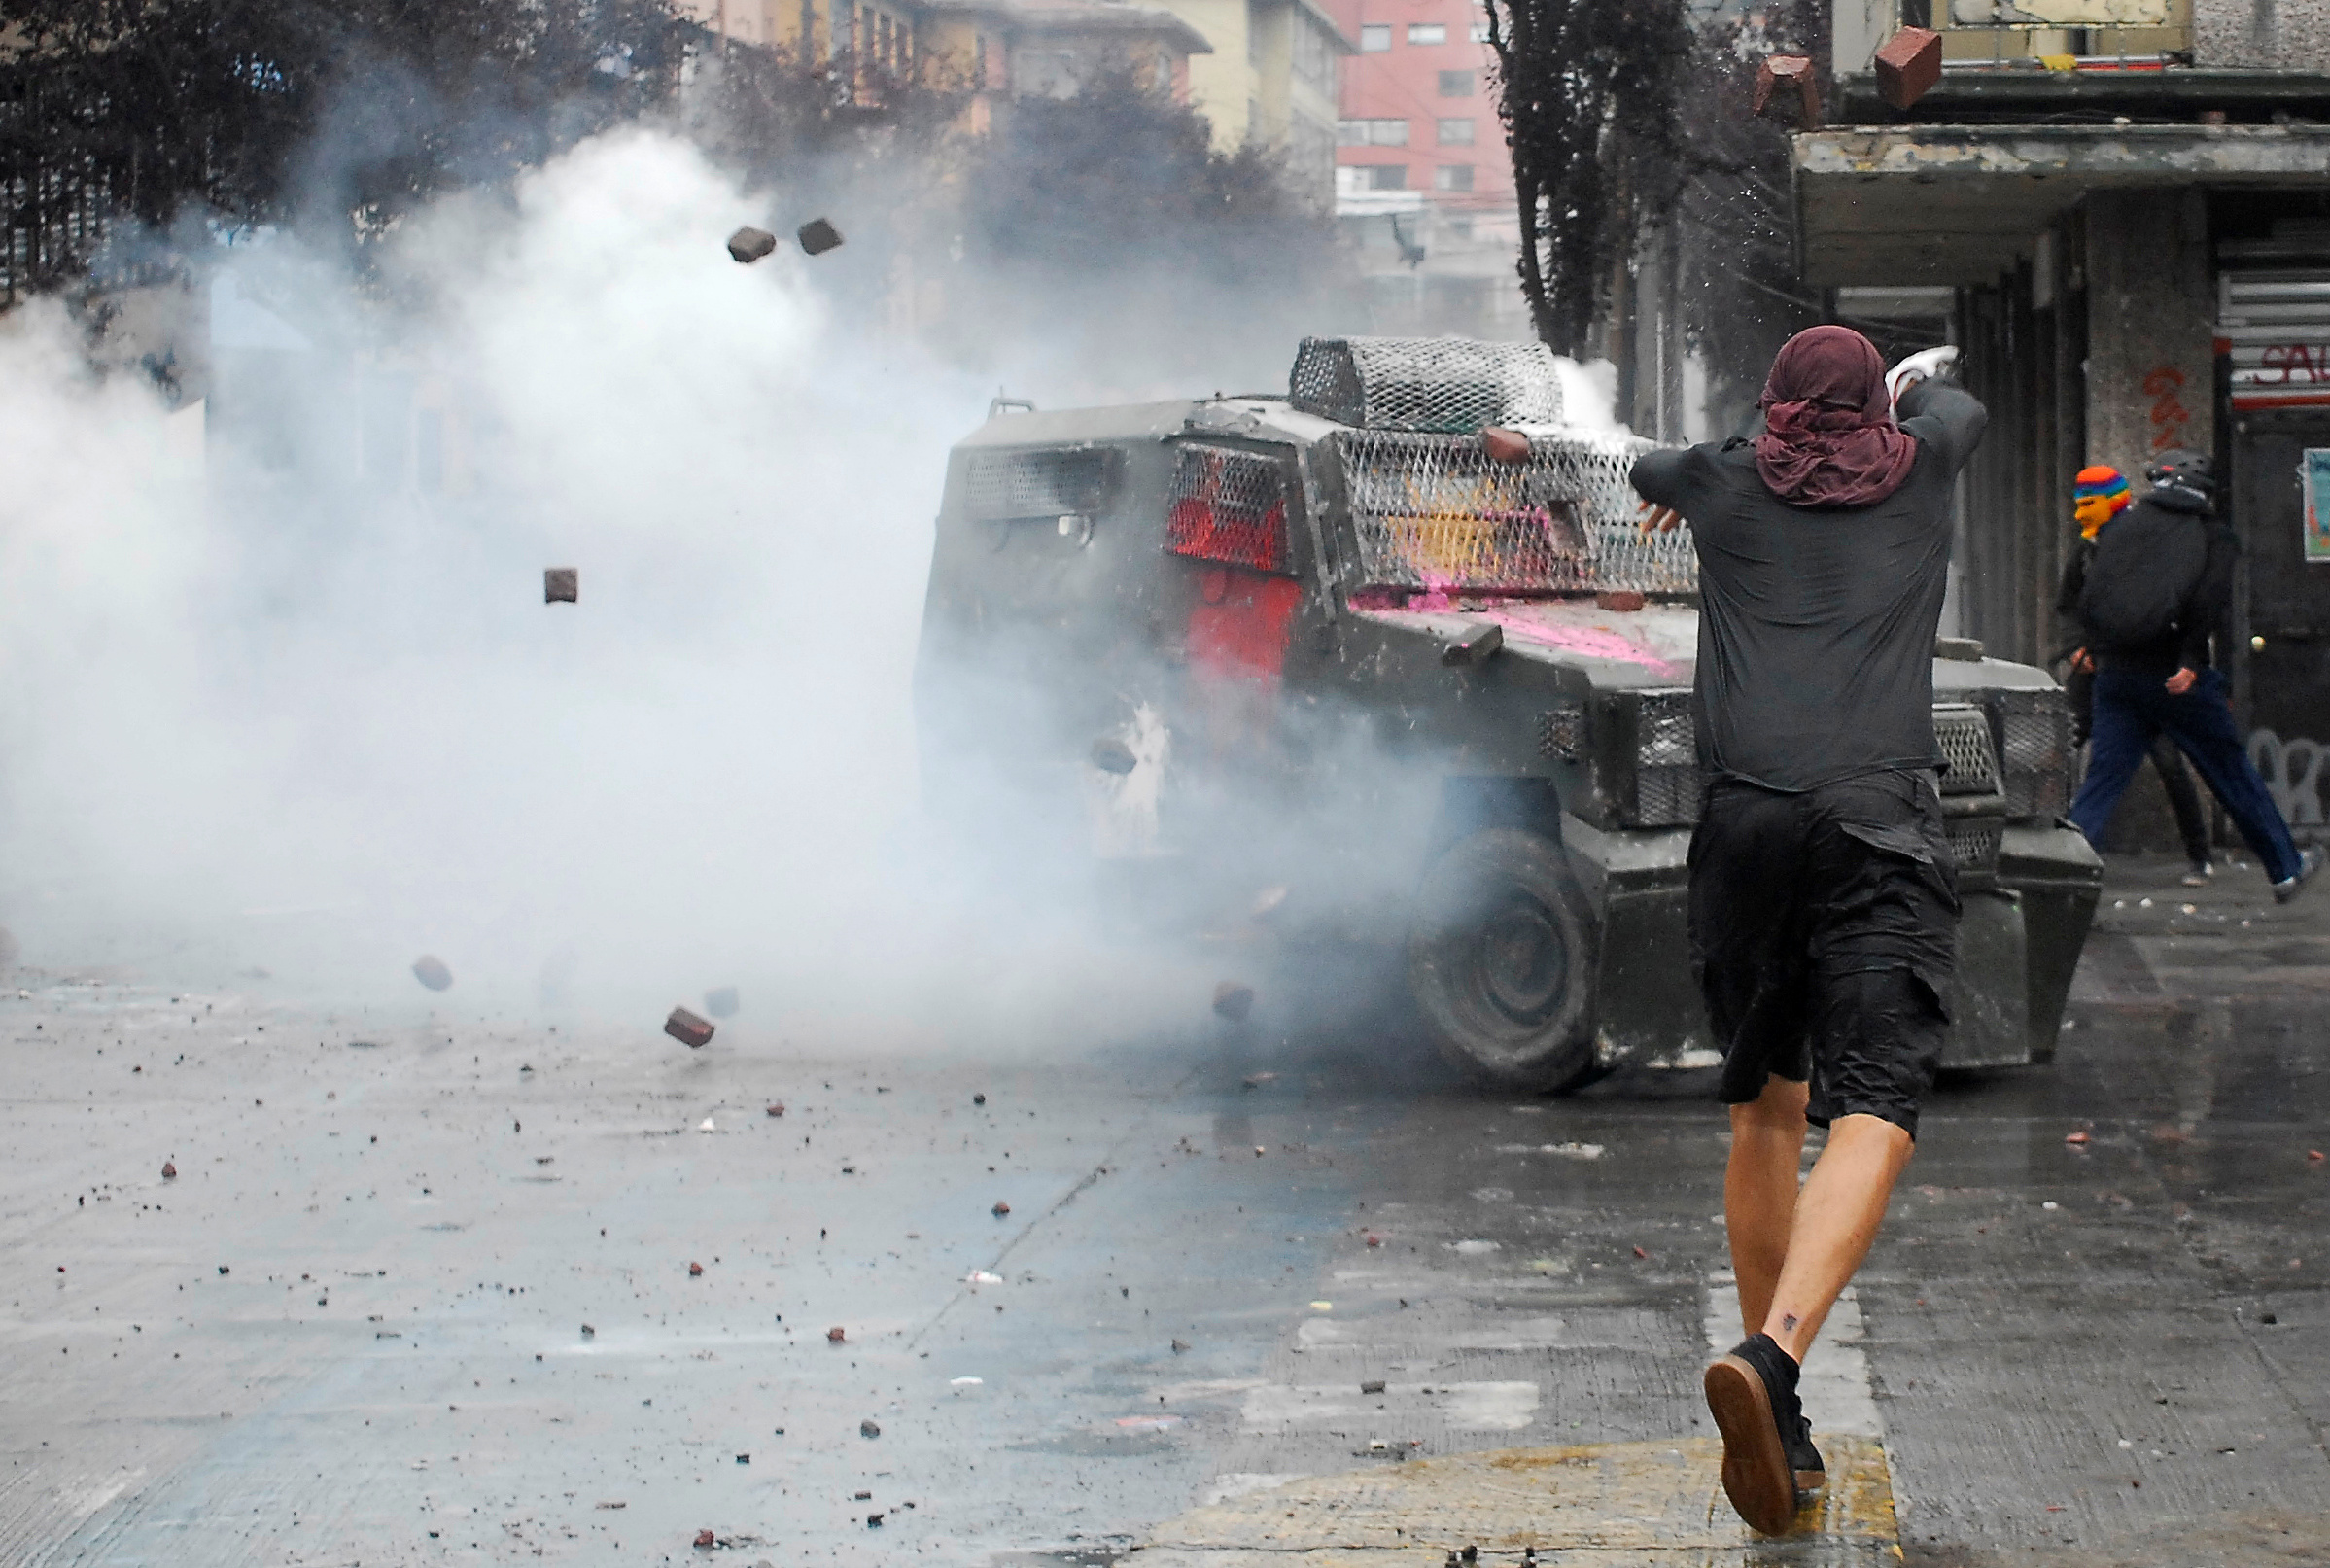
[(2100, 495), (2147, 604), (1824, 897)]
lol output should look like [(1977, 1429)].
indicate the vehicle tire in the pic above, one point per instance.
[(1501, 961)]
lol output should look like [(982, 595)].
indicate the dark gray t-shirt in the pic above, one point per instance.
[(1816, 624)]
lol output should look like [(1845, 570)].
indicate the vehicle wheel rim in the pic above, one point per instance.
[(1520, 962)]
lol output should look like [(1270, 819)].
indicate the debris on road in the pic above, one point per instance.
[(694, 1270), (2075, 1137), (687, 1028), (590, 1333), (430, 971), (776, 1108), (817, 236), (169, 1170), (1233, 1000), (2313, 1153), (836, 1336), (1370, 1239), (749, 245), (1001, 1210), (1256, 1080), (980, 1277), (873, 1522), (1374, 1385), (705, 1539), (1112, 755), (1180, 1345), (743, 1459), (706, 1126), (869, 1428), (1640, 1253), (1622, 600), (722, 1002), (561, 585), (966, 1382), (978, 1099)]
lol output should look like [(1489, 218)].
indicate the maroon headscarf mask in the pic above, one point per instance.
[(1829, 436)]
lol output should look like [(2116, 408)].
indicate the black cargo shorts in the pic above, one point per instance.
[(1824, 934)]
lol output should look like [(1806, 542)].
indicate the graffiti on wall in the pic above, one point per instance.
[(2165, 386), (2292, 772)]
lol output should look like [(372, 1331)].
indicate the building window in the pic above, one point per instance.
[(1455, 134), (1385, 176), (1453, 177), (1314, 53), (1427, 32), (1456, 84), (1371, 132), (1374, 38)]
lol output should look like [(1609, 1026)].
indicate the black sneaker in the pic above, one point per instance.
[(1768, 1455)]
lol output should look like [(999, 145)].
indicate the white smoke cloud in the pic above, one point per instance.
[(259, 719)]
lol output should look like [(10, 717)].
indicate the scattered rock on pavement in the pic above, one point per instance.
[(687, 1028), (430, 971), (705, 1539), (978, 1099), (836, 1336), (1180, 1345), (561, 585), (776, 1108), (1374, 1385), (869, 1428), (1233, 1000), (817, 236), (169, 1170), (2075, 1137), (1002, 1209), (749, 245), (694, 1270)]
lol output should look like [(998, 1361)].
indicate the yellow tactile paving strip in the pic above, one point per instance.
[(1616, 1505)]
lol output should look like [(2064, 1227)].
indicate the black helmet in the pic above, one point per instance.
[(2183, 470)]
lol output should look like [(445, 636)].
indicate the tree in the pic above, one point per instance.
[(336, 115), (1587, 91)]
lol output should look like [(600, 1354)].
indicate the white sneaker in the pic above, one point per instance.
[(2199, 874), (2309, 861)]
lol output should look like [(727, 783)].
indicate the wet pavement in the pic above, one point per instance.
[(1133, 1281)]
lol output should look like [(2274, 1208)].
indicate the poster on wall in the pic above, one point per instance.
[(2313, 483)]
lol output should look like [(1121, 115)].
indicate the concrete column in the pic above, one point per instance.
[(2151, 311)]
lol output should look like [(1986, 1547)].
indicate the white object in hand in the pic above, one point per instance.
[(1925, 365)]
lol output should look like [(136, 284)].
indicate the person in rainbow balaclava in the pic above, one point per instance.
[(2099, 495)]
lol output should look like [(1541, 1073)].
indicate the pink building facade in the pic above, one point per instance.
[(1418, 110)]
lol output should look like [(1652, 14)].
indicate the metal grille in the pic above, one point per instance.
[(2038, 731), (1452, 384), (1964, 737), (1227, 505), (1435, 512), (1664, 733), (1561, 733), (1974, 844), (1667, 797), (1053, 483)]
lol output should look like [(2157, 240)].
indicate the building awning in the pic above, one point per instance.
[(1959, 204)]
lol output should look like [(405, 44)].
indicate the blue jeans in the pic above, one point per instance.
[(2132, 710)]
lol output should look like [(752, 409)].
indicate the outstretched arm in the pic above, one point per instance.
[(1658, 477)]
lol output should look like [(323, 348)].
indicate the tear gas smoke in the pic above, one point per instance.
[(258, 716), (276, 703)]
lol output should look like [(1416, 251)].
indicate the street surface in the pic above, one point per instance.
[(352, 1329)]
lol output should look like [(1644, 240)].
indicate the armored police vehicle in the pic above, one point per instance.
[(1389, 659)]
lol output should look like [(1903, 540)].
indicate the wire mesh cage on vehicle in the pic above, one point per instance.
[(2034, 730), (1049, 482), (1435, 511), (1448, 384), (1227, 505), (1974, 844), (1963, 735)]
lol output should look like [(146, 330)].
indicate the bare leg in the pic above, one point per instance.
[(1836, 1219), (1759, 1192)]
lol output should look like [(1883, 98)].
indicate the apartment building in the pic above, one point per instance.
[(2121, 208), (1263, 72), (1423, 181)]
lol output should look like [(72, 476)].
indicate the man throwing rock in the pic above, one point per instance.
[(1824, 899)]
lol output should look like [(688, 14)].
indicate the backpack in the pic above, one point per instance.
[(2148, 563)]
